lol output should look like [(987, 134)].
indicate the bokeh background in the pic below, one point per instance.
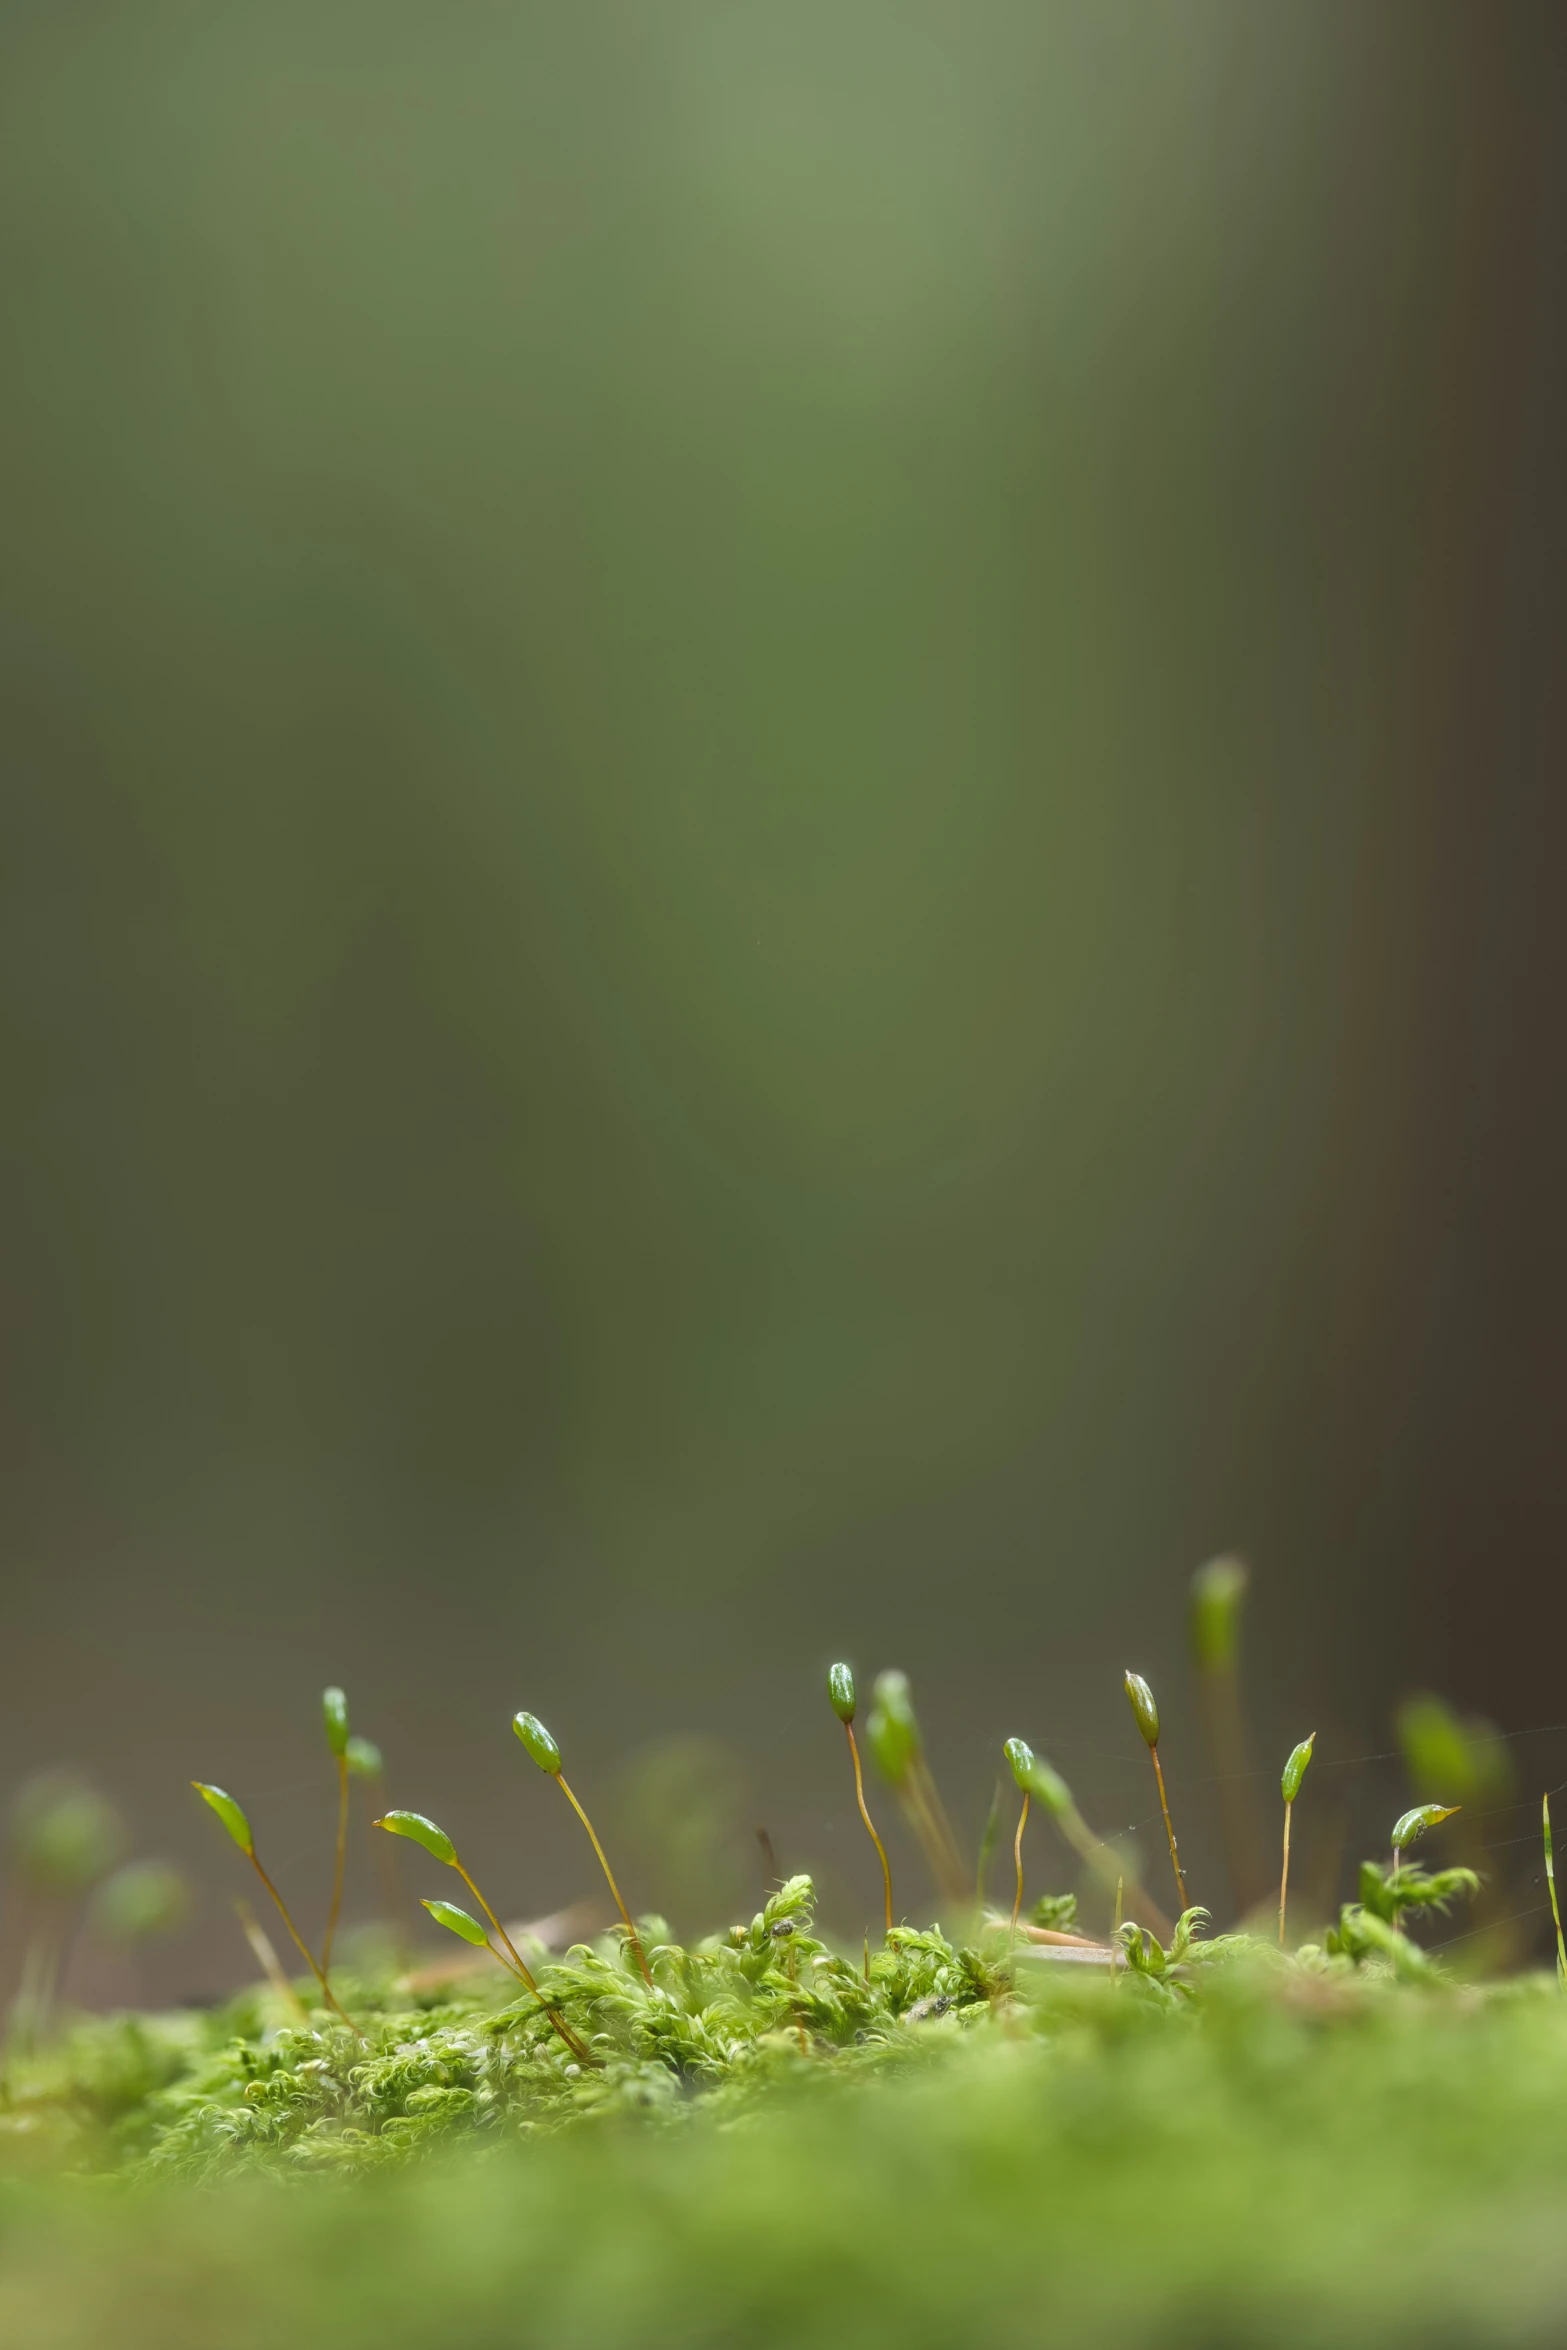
[(782, 846)]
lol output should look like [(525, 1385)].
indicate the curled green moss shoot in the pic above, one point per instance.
[(1017, 1856)]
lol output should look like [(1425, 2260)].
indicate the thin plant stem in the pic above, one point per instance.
[(1550, 1879), (987, 1845), (917, 1794), (337, 1869), (1096, 1854), (1175, 1858), (870, 1827), (301, 1945), (770, 1876), (1284, 1873), (266, 1957), (1017, 1855), (1117, 1955), (385, 1850), (609, 1879), (1239, 1826), (519, 1968), (946, 1842)]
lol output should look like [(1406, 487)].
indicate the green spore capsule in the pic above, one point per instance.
[(1295, 1768), (146, 1898), (896, 1698), (538, 1742), (891, 1744), (1217, 1592), (1411, 1824), (334, 1714), (840, 1691), (1145, 1712), (66, 1835), (1021, 1757), (229, 1813), (892, 1728), (422, 1831), (363, 1758), (1049, 1788), (457, 1921)]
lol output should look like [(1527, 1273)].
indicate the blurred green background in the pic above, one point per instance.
[(779, 827)]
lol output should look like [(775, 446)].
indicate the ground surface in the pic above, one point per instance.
[(1238, 2151)]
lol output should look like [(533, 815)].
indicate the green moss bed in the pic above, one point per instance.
[(1210, 2144)]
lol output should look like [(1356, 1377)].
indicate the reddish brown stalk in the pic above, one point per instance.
[(1017, 1855), (870, 1829), (301, 1946), (1175, 1858), (520, 1969), (267, 1958), (1284, 1873), (609, 1879), (337, 1872)]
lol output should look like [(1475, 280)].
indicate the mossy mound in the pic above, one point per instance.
[(1212, 2144)]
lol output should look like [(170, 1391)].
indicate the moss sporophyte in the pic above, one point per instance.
[(840, 1693), (334, 1716), (439, 1845), (1146, 1715), (546, 1754), (238, 1826), (1289, 1787), (577, 2034)]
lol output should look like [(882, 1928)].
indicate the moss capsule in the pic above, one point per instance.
[(229, 1813), (1295, 1768), (1411, 1824), (892, 1729), (414, 1824), (457, 1921), (538, 1742), (334, 1715), (1144, 1711), (1217, 1592)]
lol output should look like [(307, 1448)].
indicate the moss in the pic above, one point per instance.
[(1292, 2153)]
